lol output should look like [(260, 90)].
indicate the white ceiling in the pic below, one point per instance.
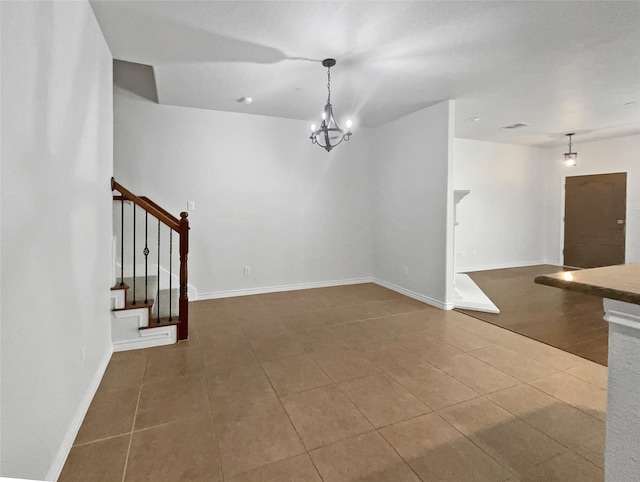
[(571, 66)]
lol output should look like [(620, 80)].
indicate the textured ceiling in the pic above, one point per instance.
[(561, 67)]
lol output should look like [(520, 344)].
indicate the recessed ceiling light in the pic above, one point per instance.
[(472, 119), (245, 100)]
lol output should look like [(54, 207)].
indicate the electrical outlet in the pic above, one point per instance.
[(405, 269), (247, 270), (191, 205)]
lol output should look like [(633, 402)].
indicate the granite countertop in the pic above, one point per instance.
[(621, 282)]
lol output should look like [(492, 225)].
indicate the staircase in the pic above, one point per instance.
[(149, 297)]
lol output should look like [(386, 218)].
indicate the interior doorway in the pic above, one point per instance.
[(595, 220)]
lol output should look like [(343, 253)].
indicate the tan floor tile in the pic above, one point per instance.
[(184, 450), (481, 328), (382, 400), (414, 321), (512, 442), (591, 372), (266, 324), (295, 374), (222, 358), (308, 320), (215, 340), (171, 400), (345, 365), (459, 338), (562, 422), (320, 340), (391, 356), (103, 461), (339, 315), (512, 363), (219, 329), (324, 415), (426, 346), (558, 359), (365, 457), (254, 435), (164, 364), (296, 469), (476, 374), (437, 451), (277, 346), (592, 450), (582, 395), (240, 386), (433, 386), (125, 369), (358, 334), (111, 413), (567, 467)]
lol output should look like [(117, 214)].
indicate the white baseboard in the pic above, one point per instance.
[(412, 294), (275, 289), (515, 264), (81, 412)]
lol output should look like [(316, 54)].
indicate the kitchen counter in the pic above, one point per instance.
[(620, 282)]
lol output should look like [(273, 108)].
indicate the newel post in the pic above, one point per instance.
[(183, 326)]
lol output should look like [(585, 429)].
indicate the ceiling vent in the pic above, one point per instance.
[(516, 126)]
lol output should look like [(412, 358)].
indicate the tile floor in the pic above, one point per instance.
[(352, 383)]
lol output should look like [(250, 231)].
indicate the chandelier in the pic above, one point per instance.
[(570, 158), (329, 135)]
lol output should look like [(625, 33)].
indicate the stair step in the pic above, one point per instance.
[(164, 303), (152, 288), (164, 321)]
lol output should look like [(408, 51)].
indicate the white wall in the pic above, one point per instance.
[(413, 199), (56, 228), (599, 157), (502, 222), (265, 196)]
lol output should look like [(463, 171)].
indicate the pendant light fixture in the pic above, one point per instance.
[(329, 135), (570, 158)]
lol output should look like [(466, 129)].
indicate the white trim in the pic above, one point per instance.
[(629, 317), (162, 335), (76, 422), (142, 314), (412, 294), (515, 264), (274, 289)]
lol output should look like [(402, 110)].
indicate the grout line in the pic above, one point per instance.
[(133, 426), (211, 417)]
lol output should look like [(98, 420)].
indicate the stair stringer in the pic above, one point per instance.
[(127, 335)]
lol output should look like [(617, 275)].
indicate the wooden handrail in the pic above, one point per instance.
[(181, 226), (149, 206), (160, 208)]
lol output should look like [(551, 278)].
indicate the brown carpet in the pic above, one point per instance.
[(565, 319)]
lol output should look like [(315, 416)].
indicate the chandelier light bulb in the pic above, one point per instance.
[(348, 123), (313, 127)]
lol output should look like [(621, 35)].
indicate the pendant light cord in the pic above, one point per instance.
[(329, 84)]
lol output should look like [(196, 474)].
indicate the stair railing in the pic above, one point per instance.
[(180, 226)]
